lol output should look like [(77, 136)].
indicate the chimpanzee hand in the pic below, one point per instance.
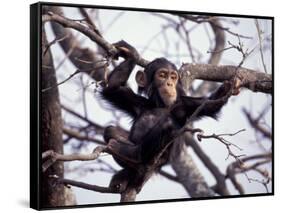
[(233, 85), (236, 86), (125, 50)]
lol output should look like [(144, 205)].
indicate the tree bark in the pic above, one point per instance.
[(187, 171), (51, 130), (253, 80)]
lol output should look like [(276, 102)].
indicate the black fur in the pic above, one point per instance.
[(148, 112), (153, 123)]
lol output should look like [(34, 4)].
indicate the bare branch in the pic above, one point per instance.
[(52, 156), (53, 42), (68, 23), (84, 185), (169, 176), (62, 82), (219, 41), (220, 186), (215, 57), (202, 19), (231, 175), (73, 49), (255, 124), (89, 21), (263, 182), (260, 43), (228, 144), (97, 127), (238, 167), (79, 136), (253, 80), (95, 66)]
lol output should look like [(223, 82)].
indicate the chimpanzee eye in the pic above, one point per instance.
[(162, 75), (174, 77)]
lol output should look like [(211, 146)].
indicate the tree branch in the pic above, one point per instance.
[(53, 156), (79, 136), (68, 23), (260, 43), (82, 185), (219, 41), (169, 176), (202, 19), (225, 142), (97, 127), (237, 167), (74, 51), (255, 124), (253, 80), (89, 21), (220, 186), (90, 33)]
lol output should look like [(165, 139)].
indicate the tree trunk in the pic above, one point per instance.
[(51, 130)]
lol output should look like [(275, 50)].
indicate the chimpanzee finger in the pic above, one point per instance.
[(125, 49), (236, 86)]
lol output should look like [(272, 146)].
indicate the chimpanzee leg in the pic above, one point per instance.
[(123, 150), (116, 133), (120, 180)]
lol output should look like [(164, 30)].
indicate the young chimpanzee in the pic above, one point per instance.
[(162, 110)]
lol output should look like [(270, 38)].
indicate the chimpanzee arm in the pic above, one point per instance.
[(220, 97), (119, 76), (118, 94), (187, 105)]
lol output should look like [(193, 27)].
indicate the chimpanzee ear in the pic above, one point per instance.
[(141, 79)]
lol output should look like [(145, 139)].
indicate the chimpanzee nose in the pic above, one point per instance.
[(169, 83)]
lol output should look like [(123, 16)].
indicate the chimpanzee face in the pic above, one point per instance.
[(160, 76), (165, 80)]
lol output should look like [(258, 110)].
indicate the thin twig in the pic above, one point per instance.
[(263, 182), (228, 144), (236, 167), (62, 82), (98, 128), (203, 19), (73, 74), (53, 42)]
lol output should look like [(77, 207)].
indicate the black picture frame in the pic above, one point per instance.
[(37, 101)]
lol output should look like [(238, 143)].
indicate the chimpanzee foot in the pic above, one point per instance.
[(124, 152)]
